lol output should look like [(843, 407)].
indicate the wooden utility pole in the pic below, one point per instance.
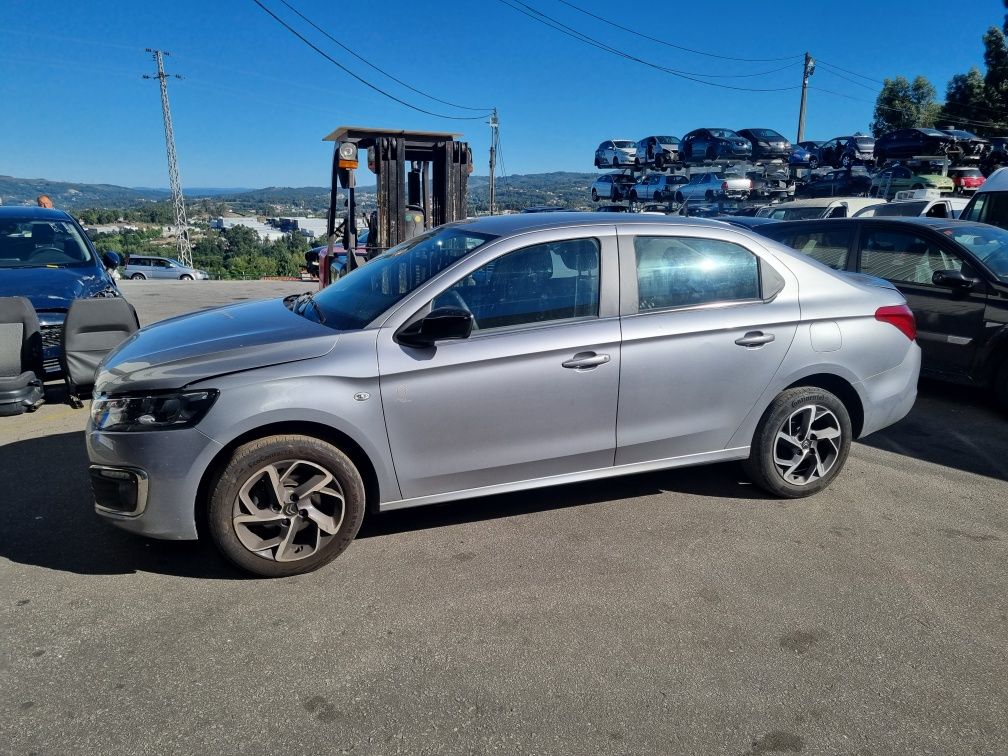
[(809, 70), (494, 123)]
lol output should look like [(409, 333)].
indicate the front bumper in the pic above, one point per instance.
[(168, 464)]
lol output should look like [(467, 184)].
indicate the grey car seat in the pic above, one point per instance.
[(21, 370), (93, 328)]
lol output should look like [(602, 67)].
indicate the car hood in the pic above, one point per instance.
[(53, 288), (231, 339)]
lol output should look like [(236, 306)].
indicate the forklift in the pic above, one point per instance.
[(421, 182)]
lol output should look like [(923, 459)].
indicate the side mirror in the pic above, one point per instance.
[(953, 279), (111, 260), (441, 324)]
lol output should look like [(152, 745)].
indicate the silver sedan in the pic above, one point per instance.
[(501, 354)]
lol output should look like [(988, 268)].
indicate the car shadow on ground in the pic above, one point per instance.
[(953, 426)]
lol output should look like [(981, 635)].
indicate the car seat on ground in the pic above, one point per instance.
[(21, 370), (93, 328)]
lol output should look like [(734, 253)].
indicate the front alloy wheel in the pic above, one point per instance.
[(284, 505), (801, 443)]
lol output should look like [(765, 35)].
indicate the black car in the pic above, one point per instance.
[(847, 151), (996, 155), (47, 257), (835, 184), (767, 144), (713, 144), (908, 143), (969, 146), (954, 275)]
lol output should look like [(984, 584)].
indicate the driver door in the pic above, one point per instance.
[(532, 392)]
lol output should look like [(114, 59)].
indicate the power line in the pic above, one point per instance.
[(903, 110), (828, 69), (852, 73), (362, 80), (581, 37), (672, 44), (371, 65)]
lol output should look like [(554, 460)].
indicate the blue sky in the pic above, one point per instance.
[(256, 101)]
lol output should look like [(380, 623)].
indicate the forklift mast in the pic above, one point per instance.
[(421, 182)]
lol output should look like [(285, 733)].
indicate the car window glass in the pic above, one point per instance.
[(25, 242), (988, 207), (538, 284), (903, 256), (830, 247), (989, 244), (676, 271)]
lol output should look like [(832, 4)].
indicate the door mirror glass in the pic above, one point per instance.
[(952, 279), (111, 260), (441, 324)]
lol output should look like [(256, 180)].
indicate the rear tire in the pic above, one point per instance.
[(679, 198), (185, 277), (813, 163), (138, 277), (800, 444), (594, 195), (709, 195), (252, 528)]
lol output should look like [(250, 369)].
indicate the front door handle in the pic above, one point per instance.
[(586, 360), (755, 339)]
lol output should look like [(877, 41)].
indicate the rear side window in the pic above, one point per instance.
[(901, 256), (678, 271), (830, 247), (988, 207)]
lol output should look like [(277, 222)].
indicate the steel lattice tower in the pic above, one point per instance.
[(178, 201)]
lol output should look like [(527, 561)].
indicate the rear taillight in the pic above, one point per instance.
[(899, 316)]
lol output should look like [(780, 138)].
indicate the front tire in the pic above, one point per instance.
[(284, 505), (138, 277), (185, 277), (813, 163), (1001, 387), (800, 444), (594, 195)]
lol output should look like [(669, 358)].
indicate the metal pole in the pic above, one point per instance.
[(493, 156), (808, 71)]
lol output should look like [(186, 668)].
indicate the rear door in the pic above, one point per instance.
[(949, 322), (705, 328)]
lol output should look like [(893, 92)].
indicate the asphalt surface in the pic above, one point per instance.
[(676, 612)]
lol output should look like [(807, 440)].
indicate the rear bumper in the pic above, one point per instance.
[(889, 396)]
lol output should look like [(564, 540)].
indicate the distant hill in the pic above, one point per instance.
[(564, 188), (20, 191)]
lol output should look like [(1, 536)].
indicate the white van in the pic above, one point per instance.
[(990, 203), (822, 207)]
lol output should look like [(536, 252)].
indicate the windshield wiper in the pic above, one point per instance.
[(308, 299)]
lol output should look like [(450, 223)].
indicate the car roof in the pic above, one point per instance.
[(916, 220), (505, 225), (996, 182), (33, 212)]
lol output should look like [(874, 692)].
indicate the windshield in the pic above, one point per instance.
[(364, 293), (932, 132), (624, 145), (28, 242), (905, 209), (766, 134), (988, 244), (724, 134), (667, 140), (791, 213), (965, 172)]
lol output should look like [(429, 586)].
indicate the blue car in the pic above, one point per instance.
[(802, 157), (46, 256)]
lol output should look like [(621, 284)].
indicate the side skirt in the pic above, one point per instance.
[(723, 455)]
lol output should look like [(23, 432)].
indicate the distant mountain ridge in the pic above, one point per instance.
[(557, 187)]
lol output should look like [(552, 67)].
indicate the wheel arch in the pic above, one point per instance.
[(842, 389), (326, 433)]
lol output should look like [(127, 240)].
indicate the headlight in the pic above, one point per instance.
[(152, 412)]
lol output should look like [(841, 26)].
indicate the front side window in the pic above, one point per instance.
[(678, 271), (538, 284), (902, 256), (989, 245)]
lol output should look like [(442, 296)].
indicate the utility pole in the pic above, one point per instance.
[(494, 123), (181, 222), (809, 70)]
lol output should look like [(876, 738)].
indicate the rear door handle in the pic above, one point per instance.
[(586, 360), (755, 339)]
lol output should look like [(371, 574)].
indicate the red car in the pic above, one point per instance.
[(966, 180)]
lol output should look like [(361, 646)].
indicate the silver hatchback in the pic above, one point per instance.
[(499, 354), (139, 267)]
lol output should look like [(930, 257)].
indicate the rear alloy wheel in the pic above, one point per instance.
[(594, 195), (284, 505), (813, 163), (185, 277), (138, 277), (801, 443)]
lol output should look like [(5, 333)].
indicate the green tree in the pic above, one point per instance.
[(965, 98), (904, 104)]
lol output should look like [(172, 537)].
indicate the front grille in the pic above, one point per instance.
[(52, 335)]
